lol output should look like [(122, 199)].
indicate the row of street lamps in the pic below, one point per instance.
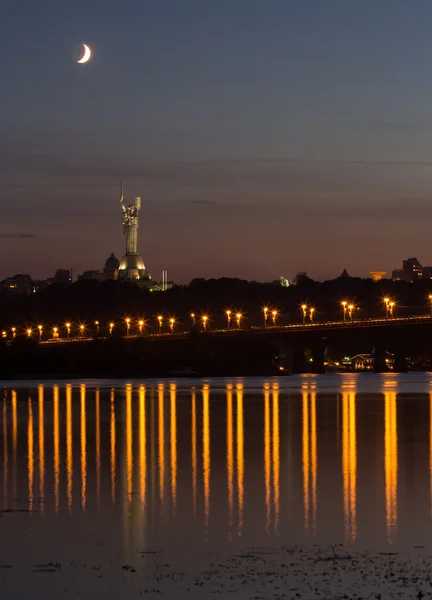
[(308, 313)]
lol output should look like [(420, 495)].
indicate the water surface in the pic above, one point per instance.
[(117, 469)]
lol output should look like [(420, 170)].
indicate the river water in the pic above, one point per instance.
[(102, 474)]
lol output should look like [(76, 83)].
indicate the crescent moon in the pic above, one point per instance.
[(87, 55)]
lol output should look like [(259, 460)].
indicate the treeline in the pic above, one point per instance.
[(88, 301)]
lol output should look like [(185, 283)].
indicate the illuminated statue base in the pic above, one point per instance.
[(132, 268)]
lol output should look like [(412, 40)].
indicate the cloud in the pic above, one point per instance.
[(204, 202), (17, 235)]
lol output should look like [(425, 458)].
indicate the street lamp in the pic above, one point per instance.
[(97, 328), (391, 306), (193, 315), (13, 329), (68, 328), (304, 309), (127, 325), (204, 322), (344, 306), (350, 311), (311, 314), (172, 321), (82, 330), (141, 325), (111, 327), (274, 315), (40, 332), (160, 323), (265, 311), (55, 332), (228, 314), (29, 332), (430, 303), (386, 302), (238, 317)]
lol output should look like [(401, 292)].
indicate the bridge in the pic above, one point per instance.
[(315, 327), (291, 348)]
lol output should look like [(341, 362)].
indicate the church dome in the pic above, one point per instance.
[(112, 262)]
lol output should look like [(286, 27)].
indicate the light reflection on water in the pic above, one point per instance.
[(211, 462)]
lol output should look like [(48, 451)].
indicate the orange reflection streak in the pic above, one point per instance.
[(15, 420), (353, 465), (14, 440), (30, 439), (142, 447), (83, 423), (56, 457), (306, 474), (129, 458), (267, 456), (161, 443), (240, 457), (69, 447), (194, 452), (5, 456), (113, 446), (230, 457), (41, 423), (276, 456), (98, 456), (345, 460), (206, 454), (173, 430), (390, 463), (430, 452), (314, 459), (349, 463)]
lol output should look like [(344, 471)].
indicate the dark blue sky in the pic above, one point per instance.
[(265, 137)]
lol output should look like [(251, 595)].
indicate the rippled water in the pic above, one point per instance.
[(116, 468)]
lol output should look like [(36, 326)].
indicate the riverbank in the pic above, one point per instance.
[(307, 572)]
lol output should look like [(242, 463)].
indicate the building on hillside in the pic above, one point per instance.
[(94, 274), (18, 284), (111, 268), (63, 276), (412, 270)]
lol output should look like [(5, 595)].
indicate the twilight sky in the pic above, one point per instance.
[(265, 137)]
